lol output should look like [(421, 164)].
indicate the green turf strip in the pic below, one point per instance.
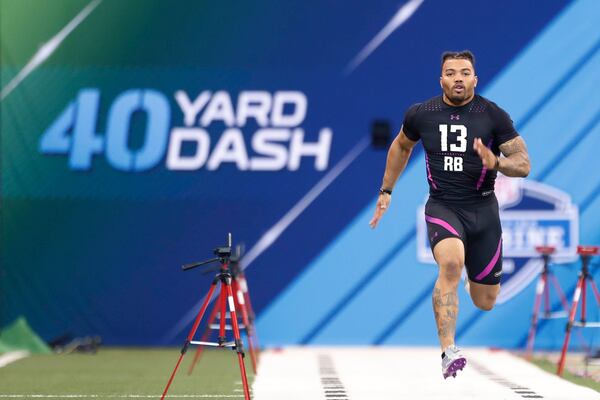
[(128, 371), (551, 367)]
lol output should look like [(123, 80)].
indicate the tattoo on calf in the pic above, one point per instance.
[(445, 307)]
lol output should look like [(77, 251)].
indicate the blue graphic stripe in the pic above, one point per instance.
[(579, 167), (359, 286), (575, 140), (468, 324), (550, 54), (590, 199), (554, 90), (407, 312), (384, 297)]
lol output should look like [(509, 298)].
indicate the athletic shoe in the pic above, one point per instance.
[(453, 361)]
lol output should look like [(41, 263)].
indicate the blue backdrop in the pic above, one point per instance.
[(143, 137)]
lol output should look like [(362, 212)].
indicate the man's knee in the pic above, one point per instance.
[(484, 302), (450, 270)]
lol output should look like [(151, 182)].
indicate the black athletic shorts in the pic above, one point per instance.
[(478, 226)]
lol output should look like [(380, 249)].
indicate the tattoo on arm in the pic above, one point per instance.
[(516, 162)]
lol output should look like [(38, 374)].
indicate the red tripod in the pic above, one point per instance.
[(543, 291), (586, 252), (225, 298), (242, 302)]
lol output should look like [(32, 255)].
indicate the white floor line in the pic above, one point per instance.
[(119, 396), (391, 373), (11, 357)]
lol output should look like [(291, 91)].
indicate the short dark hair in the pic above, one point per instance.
[(458, 55)]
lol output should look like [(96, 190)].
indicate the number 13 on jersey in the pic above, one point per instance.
[(454, 163)]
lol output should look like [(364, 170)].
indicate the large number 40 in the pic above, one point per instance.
[(74, 131)]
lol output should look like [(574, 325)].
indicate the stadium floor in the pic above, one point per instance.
[(294, 373)]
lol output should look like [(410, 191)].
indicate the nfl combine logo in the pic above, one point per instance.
[(532, 214)]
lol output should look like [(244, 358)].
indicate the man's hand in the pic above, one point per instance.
[(383, 203), (488, 158)]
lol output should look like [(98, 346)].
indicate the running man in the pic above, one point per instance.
[(463, 135)]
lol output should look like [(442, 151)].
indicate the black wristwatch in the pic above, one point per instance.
[(383, 190)]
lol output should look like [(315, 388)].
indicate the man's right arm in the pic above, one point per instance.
[(397, 158)]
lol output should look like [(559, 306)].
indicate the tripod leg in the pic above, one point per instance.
[(251, 315), (241, 305), (561, 294), (238, 341), (547, 306), (191, 335), (252, 349), (540, 288), (583, 299), (561, 362), (223, 313), (565, 305), (199, 350), (595, 288), (582, 340)]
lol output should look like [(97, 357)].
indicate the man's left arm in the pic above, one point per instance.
[(516, 159), (515, 162)]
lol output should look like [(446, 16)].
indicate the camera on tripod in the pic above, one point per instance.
[(222, 252)]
